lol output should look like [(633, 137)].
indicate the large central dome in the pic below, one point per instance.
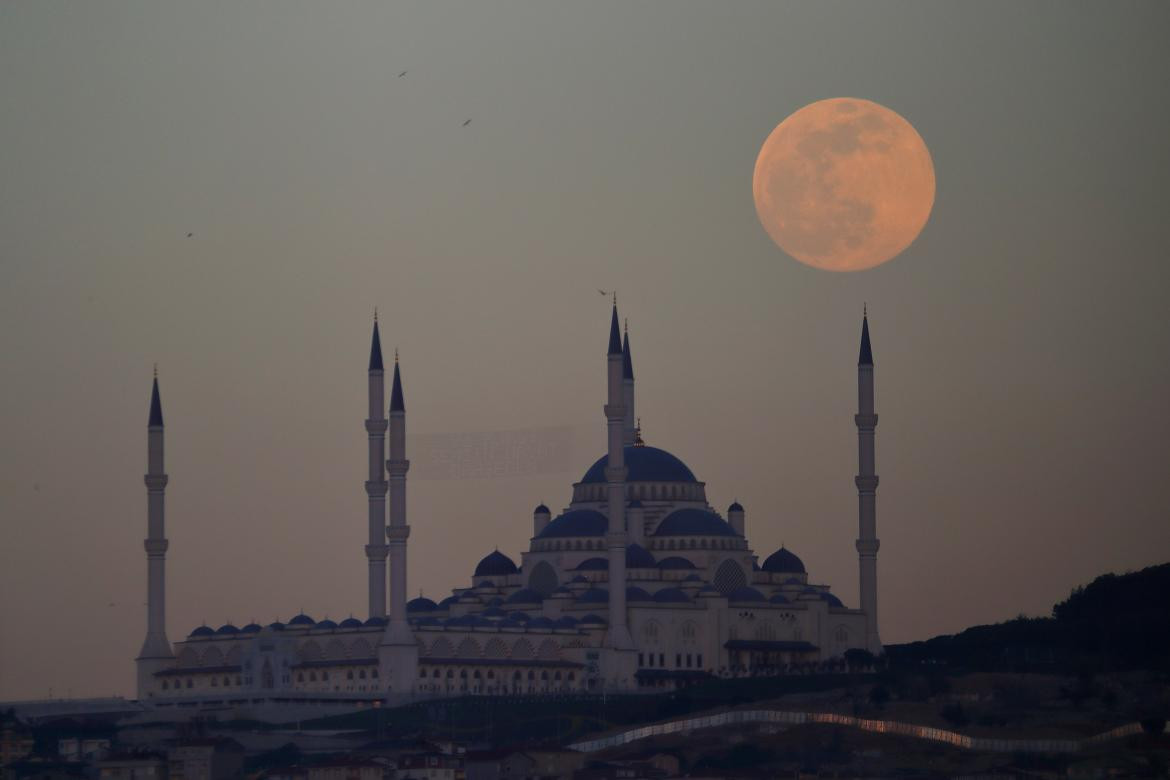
[(645, 464)]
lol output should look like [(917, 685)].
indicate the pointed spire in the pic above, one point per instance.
[(156, 418), (396, 403), (615, 332), (865, 358), (627, 361), (376, 347)]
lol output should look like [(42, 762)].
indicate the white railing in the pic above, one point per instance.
[(956, 739)]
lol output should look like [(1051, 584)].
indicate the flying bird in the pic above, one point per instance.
[(403, 73), (190, 234), (603, 292), (465, 124)]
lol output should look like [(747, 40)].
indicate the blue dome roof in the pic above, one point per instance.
[(592, 620), (276, 625), (349, 622), (494, 612), (521, 617), (525, 596), (745, 593), (251, 628), (326, 623), (693, 522), (566, 621), (634, 593), (496, 564), (779, 598), (675, 562), (576, 522), (644, 464), (735, 507), (638, 557), (593, 564), (227, 628), (833, 600), (541, 509), (375, 621), (202, 631), (783, 562), (302, 620), (671, 596), (541, 622), (447, 602), (594, 596), (421, 604)]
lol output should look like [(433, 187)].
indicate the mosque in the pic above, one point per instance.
[(638, 584)]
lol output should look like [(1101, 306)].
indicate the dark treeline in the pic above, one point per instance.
[(1116, 623)]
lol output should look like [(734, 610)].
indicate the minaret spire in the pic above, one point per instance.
[(376, 485), (156, 651), (867, 482), (629, 433)]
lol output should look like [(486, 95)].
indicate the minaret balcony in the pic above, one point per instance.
[(865, 421), (377, 427), (867, 483), (155, 481), (397, 533)]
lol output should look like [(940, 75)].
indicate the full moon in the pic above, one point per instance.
[(844, 184)]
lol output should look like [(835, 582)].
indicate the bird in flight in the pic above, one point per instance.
[(190, 234), (603, 292), (403, 73), (465, 124)]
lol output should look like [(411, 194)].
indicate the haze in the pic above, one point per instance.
[(1020, 343)]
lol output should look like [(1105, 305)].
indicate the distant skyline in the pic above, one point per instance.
[(230, 191)]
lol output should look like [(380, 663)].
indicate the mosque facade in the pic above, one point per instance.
[(638, 584)]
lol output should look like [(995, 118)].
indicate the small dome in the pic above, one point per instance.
[(276, 625), (375, 621), (833, 600), (251, 628), (421, 604), (519, 617), (349, 622), (524, 596), (692, 578), (593, 564), (227, 628), (541, 622), (671, 596), (201, 631), (576, 522), (745, 593), (735, 507), (675, 562), (779, 598), (302, 620), (783, 562), (594, 596), (495, 564), (494, 612), (638, 557), (634, 593), (541, 509), (592, 620), (447, 602), (509, 623), (566, 621), (326, 623), (693, 522), (643, 464)]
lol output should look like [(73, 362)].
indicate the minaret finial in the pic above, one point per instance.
[(375, 314), (615, 297), (864, 309), (156, 370), (396, 354), (626, 324)]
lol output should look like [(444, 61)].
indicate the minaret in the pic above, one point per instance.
[(156, 648), (630, 432), (398, 653), (867, 482), (618, 637), (376, 484)]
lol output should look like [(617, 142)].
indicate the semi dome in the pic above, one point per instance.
[(675, 562), (638, 557), (745, 593), (421, 604), (201, 631), (496, 564), (593, 564), (576, 522), (693, 522), (671, 596), (643, 464), (833, 600), (783, 562), (525, 596)]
